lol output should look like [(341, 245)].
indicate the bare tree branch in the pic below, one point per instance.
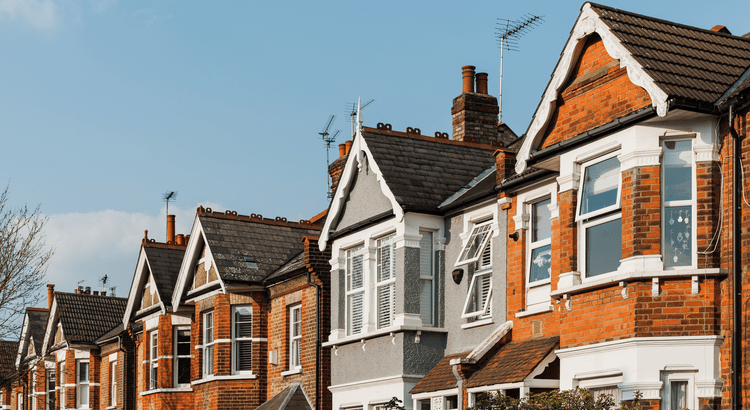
[(23, 263)]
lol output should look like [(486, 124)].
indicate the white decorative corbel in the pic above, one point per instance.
[(521, 220), (363, 344), (655, 287), (624, 291), (440, 244), (418, 337), (695, 289)]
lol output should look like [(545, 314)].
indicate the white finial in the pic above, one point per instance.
[(359, 114)]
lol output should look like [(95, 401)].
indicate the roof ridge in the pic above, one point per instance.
[(36, 309), (151, 243), (440, 137), (90, 295), (258, 218), (708, 31)]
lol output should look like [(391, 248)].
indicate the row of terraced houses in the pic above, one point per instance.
[(605, 248)]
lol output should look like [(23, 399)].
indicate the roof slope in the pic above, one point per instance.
[(294, 264), (422, 172), (37, 325), (85, 318), (8, 350), (513, 362), (271, 243), (291, 397), (440, 377), (165, 267), (683, 61)]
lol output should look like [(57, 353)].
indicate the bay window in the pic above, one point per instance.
[(153, 364), (426, 278), (386, 281), (182, 358), (208, 344), (355, 290), (82, 384), (242, 333), (599, 217), (677, 204), (295, 337)]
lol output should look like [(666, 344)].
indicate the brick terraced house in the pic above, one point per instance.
[(8, 374), (31, 373)]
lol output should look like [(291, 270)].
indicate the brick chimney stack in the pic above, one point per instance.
[(50, 295), (475, 113), (337, 166), (170, 228)]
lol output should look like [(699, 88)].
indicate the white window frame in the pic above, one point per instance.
[(113, 383), (679, 376), (207, 365), (32, 396), (427, 278), (178, 358), (83, 385), (350, 292), (617, 205), (600, 216), (49, 377), (533, 245), (153, 362), (295, 338), (239, 340), (692, 203), (387, 284), (62, 385), (479, 228), (485, 312)]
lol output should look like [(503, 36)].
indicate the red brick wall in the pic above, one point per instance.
[(597, 92), (641, 211)]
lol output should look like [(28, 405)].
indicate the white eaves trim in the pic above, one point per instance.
[(588, 23), (358, 154), (197, 238), (136, 288)]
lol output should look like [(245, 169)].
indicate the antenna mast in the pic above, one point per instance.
[(168, 196), (508, 32), (328, 139), (353, 112)]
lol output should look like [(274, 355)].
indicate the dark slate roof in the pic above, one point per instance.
[(8, 352), (477, 189), (85, 318), (513, 362), (440, 377), (296, 263), (292, 398), (684, 61), (165, 266), (422, 172), (271, 242), (37, 326)]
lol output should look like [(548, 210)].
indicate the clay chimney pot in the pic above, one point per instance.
[(96, 293), (104, 293), (180, 239), (468, 75), (348, 147), (481, 83), (342, 150), (170, 228), (50, 295)]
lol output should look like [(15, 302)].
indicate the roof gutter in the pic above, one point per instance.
[(523, 178), (597, 132)]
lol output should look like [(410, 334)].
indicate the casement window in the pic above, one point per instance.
[(19, 400), (113, 384), (386, 280), (599, 217), (82, 384), (677, 204), (153, 362), (62, 385), (242, 333), (540, 245), (678, 391), (480, 236), (611, 391), (479, 299), (295, 337), (426, 279), (50, 390), (208, 344), (355, 290), (182, 357)]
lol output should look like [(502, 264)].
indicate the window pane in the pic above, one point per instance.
[(244, 355), (183, 342), (208, 360), (678, 170), (83, 372), (479, 293), (183, 370), (386, 258), (355, 313), (243, 322), (474, 245), (541, 263), (83, 394), (678, 395), (600, 184), (541, 226), (354, 269), (386, 304), (603, 247), (678, 244)]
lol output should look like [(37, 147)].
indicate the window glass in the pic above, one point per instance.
[(386, 286), (678, 204), (295, 337), (208, 344), (243, 333), (113, 384), (480, 293), (678, 170), (541, 225), (603, 247), (183, 356), (540, 264), (154, 360), (678, 395), (354, 289), (678, 249), (82, 384), (479, 237), (600, 185)]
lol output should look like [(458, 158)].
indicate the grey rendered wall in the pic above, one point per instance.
[(386, 356), (338, 281), (462, 340), (365, 199), (407, 280)]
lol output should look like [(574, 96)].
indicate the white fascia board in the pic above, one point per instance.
[(191, 255), (51, 328), (23, 342), (354, 162), (136, 288), (588, 23), (489, 342)]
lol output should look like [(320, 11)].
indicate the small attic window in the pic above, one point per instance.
[(251, 263)]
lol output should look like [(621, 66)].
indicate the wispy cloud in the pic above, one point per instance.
[(40, 14), (91, 245)]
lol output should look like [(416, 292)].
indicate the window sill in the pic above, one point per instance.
[(248, 376), (533, 312), (291, 372), (477, 323), (612, 279), (380, 332), (169, 390)]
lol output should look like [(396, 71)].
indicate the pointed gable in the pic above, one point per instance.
[(32, 334)]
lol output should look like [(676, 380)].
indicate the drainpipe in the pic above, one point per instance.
[(736, 264)]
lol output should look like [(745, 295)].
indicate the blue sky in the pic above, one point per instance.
[(107, 104)]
